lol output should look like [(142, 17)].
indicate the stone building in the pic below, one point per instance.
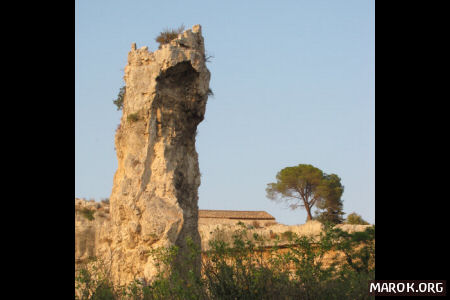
[(213, 217)]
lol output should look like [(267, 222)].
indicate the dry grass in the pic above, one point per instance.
[(168, 35)]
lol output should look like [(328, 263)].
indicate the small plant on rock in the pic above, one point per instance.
[(133, 117), (87, 213), (119, 100), (168, 35)]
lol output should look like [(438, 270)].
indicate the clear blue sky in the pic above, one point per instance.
[(293, 83)]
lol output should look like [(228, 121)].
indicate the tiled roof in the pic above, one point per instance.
[(235, 214)]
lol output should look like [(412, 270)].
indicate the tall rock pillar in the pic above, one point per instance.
[(154, 200)]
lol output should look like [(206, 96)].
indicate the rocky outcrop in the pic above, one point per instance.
[(92, 230), (154, 197)]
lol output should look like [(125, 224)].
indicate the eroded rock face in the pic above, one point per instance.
[(154, 197), (92, 230)]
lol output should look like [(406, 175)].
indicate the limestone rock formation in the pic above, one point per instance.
[(154, 196), (92, 230)]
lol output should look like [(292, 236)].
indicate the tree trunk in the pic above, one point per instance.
[(308, 210)]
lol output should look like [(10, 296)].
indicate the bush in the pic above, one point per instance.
[(329, 217), (288, 235), (168, 35), (119, 100), (92, 282), (273, 235), (87, 213), (240, 270), (356, 219)]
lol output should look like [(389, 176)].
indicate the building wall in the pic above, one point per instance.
[(218, 221)]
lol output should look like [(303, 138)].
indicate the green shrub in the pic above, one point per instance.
[(288, 235), (329, 216), (356, 219), (168, 35), (119, 100), (133, 117), (358, 248), (87, 213), (273, 236), (239, 270), (92, 282)]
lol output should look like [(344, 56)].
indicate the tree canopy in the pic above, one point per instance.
[(330, 208), (305, 186)]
